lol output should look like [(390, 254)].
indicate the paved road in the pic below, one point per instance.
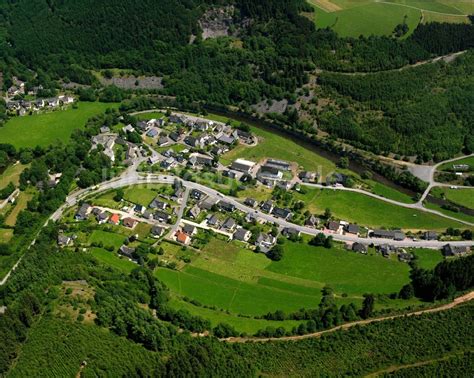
[(135, 178), (457, 301)]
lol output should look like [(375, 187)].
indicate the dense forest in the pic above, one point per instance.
[(271, 53), (425, 111)]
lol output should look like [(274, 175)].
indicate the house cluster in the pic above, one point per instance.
[(23, 107), (109, 140)]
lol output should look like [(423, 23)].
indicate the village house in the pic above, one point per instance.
[(351, 228), (430, 235), (290, 232), (229, 225), (251, 202), (194, 212), (241, 234), (64, 240), (265, 242), (312, 221), (139, 209), (152, 133), (386, 250), (454, 250), (196, 159), (282, 213), (243, 136), (158, 204), (225, 139), (83, 212), (333, 226), (157, 231), (242, 165), (359, 247), (127, 251), (162, 216), (269, 174), (102, 217), (182, 237), (162, 140), (114, 219), (207, 203), (267, 206), (226, 206), (306, 176), (190, 229), (212, 220), (129, 222)]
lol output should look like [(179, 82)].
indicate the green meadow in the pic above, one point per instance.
[(427, 258), (11, 174), (351, 18), (233, 284), (112, 259), (49, 128), (371, 212), (461, 196)]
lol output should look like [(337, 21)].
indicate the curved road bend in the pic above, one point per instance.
[(457, 301)]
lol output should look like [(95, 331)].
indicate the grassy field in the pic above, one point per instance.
[(140, 194), (242, 324), (274, 146), (427, 258), (112, 259), (457, 215), (388, 192), (243, 282), (367, 211), (11, 174), (5, 235), (49, 128), (462, 197), (148, 116), (20, 204), (107, 238), (365, 17)]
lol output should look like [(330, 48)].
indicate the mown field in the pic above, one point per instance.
[(462, 197), (366, 17), (233, 284), (49, 128), (11, 174), (367, 211)]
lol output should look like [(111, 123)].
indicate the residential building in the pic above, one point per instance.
[(265, 242), (129, 222), (182, 237), (212, 220), (226, 206), (242, 165), (127, 251), (64, 240), (430, 235), (83, 212), (229, 224), (241, 234), (157, 231), (352, 229), (454, 250), (194, 212), (162, 216), (290, 232), (114, 219), (333, 226), (282, 213), (359, 247), (190, 229), (251, 202), (405, 257), (312, 221), (267, 206), (278, 164)]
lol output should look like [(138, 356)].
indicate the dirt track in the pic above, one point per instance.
[(456, 302)]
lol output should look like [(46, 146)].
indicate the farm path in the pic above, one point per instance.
[(456, 302)]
